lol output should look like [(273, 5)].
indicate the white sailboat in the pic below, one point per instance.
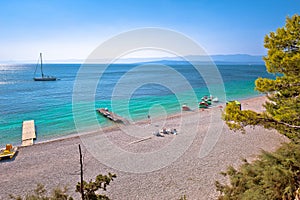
[(43, 77)]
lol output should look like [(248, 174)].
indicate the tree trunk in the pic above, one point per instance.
[(81, 174)]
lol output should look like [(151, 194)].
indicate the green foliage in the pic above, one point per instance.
[(90, 189), (233, 112), (275, 176), (283, 105), (40, 193)]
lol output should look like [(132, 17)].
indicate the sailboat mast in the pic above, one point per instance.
[(41, 64)]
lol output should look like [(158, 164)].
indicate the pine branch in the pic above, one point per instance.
[(279, 122)]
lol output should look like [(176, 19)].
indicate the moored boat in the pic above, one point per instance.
[(208, 102), (203, 104), (8, 152), (185, 108), (43, 77), (215, 100), (209, 99)]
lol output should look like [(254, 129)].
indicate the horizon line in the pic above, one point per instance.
[(134, 59)]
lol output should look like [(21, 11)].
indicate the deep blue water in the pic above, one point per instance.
[(50, 103)]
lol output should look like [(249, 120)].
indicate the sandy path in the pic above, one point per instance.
[(57, 162)]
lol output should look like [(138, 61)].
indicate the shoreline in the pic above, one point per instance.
[(56, 162), (141, 121)]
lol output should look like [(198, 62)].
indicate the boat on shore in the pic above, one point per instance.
[(185, 108), (210, 98), (43, 77), (207, 101), (203, 104), (8, 152), (215, 99)]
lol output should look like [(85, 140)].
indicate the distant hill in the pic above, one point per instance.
[(218, 59), (239, 58), (232, 58)]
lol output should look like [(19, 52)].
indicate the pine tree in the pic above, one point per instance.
[(283, 105), (91, 188), (275, 175)]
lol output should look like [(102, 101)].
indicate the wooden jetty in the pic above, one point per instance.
[(28, 133), (111, 116)]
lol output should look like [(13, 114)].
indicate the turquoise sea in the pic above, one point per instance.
[(50, 103)]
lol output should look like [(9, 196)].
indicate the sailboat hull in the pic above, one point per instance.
[(44, 78)]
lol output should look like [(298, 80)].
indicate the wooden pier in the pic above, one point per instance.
[(28, 133), (112, 116)]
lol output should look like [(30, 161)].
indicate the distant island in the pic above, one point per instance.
[(218, 59)]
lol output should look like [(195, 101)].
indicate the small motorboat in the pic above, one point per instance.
[(215, 100), (209, 99), (205, 98), (8, 152), (203, 104), (185, 108)]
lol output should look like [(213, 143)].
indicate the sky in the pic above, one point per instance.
[(69, 29)]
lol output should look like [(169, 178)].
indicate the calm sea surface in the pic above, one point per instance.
[(131, 93)]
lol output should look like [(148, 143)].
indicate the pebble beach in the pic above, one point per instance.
[(56, 163)]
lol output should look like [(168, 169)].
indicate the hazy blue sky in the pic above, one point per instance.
[(65, 29)]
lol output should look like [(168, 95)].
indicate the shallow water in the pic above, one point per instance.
[(130, 90)]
